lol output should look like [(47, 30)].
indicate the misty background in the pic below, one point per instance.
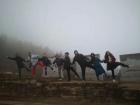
[(66, 25)]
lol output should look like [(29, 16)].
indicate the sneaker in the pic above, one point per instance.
[(60, 79), (113, 80)]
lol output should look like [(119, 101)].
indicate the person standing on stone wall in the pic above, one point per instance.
[(47, 63), (95, 63), (32, 59), (60, 63), (82, 61), (20, 63), (112, 64), (43, 62), (67, 66)]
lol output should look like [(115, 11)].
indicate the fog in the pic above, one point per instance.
[(9, 46), (66, 25)]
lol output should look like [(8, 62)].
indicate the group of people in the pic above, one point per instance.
[(66, 64)]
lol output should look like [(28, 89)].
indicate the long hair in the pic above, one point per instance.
[(107, 54)]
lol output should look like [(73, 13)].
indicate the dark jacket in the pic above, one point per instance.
[(45, 60), (81, 59), (67, 63), (96, 65), (19, 60), (58, 62)]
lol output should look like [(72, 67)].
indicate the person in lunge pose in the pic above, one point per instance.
[(32, 59), (60, 63), (82, 61), (112, 64), (67, 66), (47, 63), (43, 62), (20, 63), (95, 63)]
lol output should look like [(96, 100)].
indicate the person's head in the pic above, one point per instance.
[(75, 52), (92, 55), (66, 54), (107, 52)]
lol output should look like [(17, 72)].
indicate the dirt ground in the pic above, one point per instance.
[(66, 101)]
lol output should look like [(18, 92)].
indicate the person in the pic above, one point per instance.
[(60, 63), (47, 63), (82, 61), (20, 63), (95, 63), (68, 67), (32, 59), (112, 64), (43, 62)]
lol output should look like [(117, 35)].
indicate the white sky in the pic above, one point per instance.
[(66, 25)]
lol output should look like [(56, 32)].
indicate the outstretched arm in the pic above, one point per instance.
[(23, 59), (102, 61), (11, 58), (54, 61), (73, 60)]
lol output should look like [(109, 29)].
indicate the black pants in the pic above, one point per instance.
[(73, 70), (83, 68), (113, 74), (112, 66), (20, 68), (68, 73), (19, 72)]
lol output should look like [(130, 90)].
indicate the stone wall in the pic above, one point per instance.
[(16, 89), (133, 73)]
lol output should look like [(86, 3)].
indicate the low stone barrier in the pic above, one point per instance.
[(93, 90)]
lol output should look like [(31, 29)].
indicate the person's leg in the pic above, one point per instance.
[(30, 64), (83, 72), (97, 75), (105, 76), (19, 72), (26, 68), (74, 71), (96, 72), (113, 74), (62, 72), (50, 66), (122, 64), (68, 73), (59, 72), (43, 66), (34, 69), (45, 69), (35, 65)]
